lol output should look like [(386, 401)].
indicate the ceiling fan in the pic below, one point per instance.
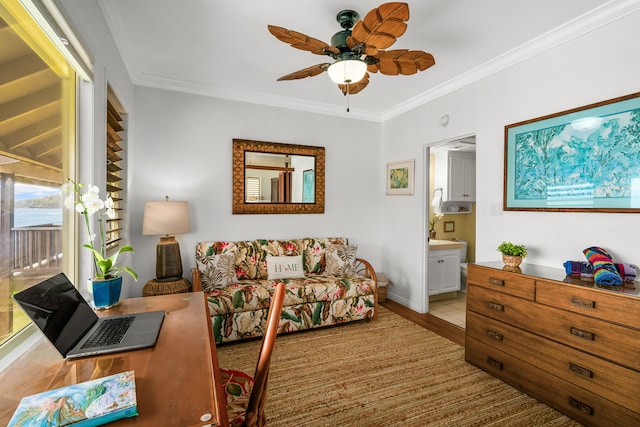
[(360, 47)]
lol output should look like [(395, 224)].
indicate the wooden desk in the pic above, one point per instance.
[(175, 380)]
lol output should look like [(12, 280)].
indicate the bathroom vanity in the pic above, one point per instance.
[(443, 265)]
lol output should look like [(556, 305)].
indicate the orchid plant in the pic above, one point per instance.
[(87, 204)]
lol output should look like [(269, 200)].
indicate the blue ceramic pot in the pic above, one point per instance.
[(106, 293)]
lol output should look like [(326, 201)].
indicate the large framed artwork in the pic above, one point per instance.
[(582, 160), (400, 178)]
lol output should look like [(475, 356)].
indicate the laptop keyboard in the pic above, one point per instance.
[(109, 332)]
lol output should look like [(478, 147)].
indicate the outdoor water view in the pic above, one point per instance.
[(37, 205), (37, 210)]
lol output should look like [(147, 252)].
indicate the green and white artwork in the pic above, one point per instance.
[(586, 159)]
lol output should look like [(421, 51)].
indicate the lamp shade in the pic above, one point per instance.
[(347, 71), (166, 218)]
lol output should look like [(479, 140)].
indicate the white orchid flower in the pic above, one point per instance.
[(69, 202), (91, 200), (67, 187), (108, 203)]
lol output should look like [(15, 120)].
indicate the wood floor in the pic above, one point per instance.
[(428, 321)]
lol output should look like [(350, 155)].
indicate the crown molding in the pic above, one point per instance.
[(233, 94), (590, 21)]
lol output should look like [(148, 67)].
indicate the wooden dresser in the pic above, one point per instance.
[(565, 341)]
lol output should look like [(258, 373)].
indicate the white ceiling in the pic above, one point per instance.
[(222, 48)]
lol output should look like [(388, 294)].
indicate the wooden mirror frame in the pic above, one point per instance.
[(240, 206)]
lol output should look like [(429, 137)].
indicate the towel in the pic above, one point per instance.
[(628, 272), (604, 272)]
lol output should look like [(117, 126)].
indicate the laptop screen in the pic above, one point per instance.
[(59, 310)]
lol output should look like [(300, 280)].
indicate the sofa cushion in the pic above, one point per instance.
[(341, 260), (253, 295), (314, 252), (216, 271), (246, 254)]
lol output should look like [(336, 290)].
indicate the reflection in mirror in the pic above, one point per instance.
[(277, 178)]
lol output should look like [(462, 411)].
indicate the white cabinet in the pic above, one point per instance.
[(444, 271), (462, 176)]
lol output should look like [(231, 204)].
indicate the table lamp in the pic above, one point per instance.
[(167, 218)]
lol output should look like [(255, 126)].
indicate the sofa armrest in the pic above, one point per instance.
[(364, 268), (196, 284)]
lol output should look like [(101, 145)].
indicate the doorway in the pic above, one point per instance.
[(455, 224)]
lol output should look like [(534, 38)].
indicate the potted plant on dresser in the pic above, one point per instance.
[(512, 254)]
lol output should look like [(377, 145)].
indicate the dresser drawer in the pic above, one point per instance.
[(604, 305), (606, 379), (502, 281), (607, 340), (501, 306), (578, 403)]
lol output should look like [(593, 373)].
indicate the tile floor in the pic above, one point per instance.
[(451, 309)]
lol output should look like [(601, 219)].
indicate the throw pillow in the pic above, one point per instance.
[(284, 267), (341, 260), (217, 271)]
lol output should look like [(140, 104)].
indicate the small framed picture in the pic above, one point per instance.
[(449, 226), (400, 178)]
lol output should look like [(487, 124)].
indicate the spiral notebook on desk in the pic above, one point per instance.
[(70, 324)]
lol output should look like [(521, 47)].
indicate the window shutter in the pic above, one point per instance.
[(253, 189), (115, 165)]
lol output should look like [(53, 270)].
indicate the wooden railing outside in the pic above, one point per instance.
[(37, 249)]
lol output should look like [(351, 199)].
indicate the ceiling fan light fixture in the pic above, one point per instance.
[(347, 71)]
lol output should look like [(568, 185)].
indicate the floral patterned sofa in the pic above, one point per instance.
[(326, 284)]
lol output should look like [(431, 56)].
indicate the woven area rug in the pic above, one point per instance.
[(390, 372)]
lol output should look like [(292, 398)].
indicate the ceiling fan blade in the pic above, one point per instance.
[(314, 70), (302, 41), (355, 87), (401, 61), (380, 27)]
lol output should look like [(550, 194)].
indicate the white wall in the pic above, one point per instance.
[(183, 149), (594, 67)]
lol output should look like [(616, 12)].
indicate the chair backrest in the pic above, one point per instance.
[(255, 409)]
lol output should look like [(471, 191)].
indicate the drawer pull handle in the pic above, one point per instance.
[(581, 406), (583, 303), (495, 335), (580, 370), (586, 335), (495, 306), (497, 282), (494, 363)]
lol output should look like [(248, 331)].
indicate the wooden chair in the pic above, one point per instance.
[(246, 395)]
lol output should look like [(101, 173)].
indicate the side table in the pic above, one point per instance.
[(383, 283), (156, 287)]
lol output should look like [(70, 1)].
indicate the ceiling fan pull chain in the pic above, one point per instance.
[(348, 85)]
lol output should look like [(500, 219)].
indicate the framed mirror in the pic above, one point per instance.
[(274, 178)]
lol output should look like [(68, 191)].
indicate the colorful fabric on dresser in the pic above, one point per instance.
[(604, 272), (628, 272)]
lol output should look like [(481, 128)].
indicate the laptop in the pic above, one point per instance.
[(71, 325)]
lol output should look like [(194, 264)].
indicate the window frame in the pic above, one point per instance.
[(43, 28)]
